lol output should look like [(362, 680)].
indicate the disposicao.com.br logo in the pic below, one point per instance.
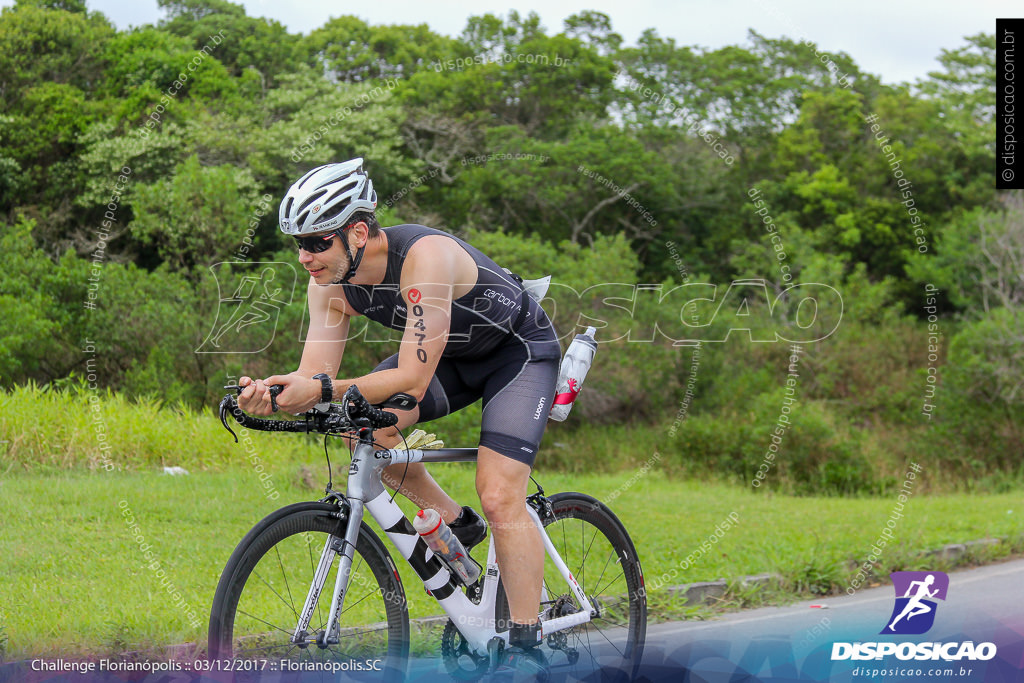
[(913, 614), (913, 593)]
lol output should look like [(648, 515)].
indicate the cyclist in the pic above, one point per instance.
[(469, 332)]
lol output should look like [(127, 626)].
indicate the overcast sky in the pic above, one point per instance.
[(898, 41)]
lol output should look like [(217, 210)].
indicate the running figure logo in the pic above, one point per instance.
[(914, 612), (247, 319)]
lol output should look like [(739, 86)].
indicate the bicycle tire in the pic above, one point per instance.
[(277, 558), (621, 644)]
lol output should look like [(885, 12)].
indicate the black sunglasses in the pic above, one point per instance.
[(316, 243)]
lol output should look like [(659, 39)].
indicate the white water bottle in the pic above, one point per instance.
[(574, 368), (439, 537)]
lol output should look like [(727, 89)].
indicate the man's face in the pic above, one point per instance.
[(328, 266)]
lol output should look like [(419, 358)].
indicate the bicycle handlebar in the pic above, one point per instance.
[(354, 413)]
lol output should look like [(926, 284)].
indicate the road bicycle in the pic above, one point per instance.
[(283, 599)]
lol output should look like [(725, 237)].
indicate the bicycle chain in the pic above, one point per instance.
[(454, 650)]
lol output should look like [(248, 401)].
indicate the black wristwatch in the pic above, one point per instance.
[(326, 391)]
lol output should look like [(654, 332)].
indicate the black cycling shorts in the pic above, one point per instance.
[(516, 382)]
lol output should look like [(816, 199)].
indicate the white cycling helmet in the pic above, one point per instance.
[(326, 198)]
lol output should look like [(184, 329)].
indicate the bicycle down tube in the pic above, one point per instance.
[(365, 490)]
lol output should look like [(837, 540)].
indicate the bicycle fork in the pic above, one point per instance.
[(344, 549)]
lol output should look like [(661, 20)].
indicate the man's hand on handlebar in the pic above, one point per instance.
[(255, 397), (262, 396), (299, 394)]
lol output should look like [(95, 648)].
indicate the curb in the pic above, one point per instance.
[(955, 551), (711, 592)]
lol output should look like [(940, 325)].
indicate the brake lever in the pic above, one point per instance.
[(275, 389), (228, 403)]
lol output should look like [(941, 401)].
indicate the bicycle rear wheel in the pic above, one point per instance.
[(266, 581), (598, 551)]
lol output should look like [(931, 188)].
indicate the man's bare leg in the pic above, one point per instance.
[(502, 484)]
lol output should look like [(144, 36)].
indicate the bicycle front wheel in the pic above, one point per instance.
[(265, 584), (597, 550)]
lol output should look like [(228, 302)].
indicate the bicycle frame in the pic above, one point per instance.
[(477, 622)]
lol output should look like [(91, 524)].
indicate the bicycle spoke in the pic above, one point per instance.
[(603, 570), (264, 621), (587, 553), (287, 587), (258, 612), (601, 631), (349, 605), (267, 584)]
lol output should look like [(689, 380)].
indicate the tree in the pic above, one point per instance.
[(39, 45), (352, 51), (248, 42), (594, 28), (42, 300), (962, 94), (197, 216), (517, 75)]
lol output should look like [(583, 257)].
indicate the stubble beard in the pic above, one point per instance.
[(342, 269)]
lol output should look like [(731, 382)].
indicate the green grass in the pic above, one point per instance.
[(75, 580), (47, 431)]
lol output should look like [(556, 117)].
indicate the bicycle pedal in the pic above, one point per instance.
[(526, 664), (495, 648)]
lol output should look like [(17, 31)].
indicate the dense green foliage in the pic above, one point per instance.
[(140, 171)]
